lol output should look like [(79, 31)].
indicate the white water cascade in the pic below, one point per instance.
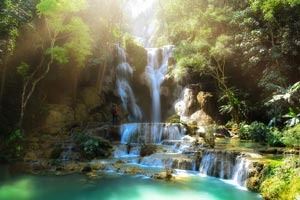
[(142, 132), (241, 171), (156, 70), (124, 74), (225, 165)]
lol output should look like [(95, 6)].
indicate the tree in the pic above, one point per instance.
[(13, 14), (67, 36)]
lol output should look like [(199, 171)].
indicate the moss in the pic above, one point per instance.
[(293, 189), (93, 147), (137, 55), (281, 180), (173, 119)]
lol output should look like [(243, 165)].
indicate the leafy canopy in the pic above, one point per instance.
[(62, 23)]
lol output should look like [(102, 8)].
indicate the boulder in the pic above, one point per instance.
[(148, 149), (86, 169)]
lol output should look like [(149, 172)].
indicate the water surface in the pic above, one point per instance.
[(117, 187)]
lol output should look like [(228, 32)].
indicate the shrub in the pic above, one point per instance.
[(244, 132), (12, 146), (274, 138), (292, 136), (92, 147), (259, 132), (282, 181), (256, 131)]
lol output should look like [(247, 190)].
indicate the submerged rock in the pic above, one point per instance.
[(166, 175), (148, 149), (86, 169)]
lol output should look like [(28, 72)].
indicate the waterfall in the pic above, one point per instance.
[(157, 68), (241, 171), (68, 153), (143, 132), (225, 165), (124, 73)]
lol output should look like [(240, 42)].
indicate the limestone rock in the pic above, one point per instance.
[(192, 107), (59, 117)]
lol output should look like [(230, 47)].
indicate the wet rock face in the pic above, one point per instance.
[(148, 149), (192, 107), (187, 104), (255, 176), (172, 161)]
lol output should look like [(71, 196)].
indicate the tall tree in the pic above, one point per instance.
[(67, 36)]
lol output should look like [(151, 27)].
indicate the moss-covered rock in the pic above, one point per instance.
[(93, 147), (136, 53), (148, 149)]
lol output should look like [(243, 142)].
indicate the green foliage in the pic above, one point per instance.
[(233, 105), (259, 132), (292, 117), (292, 136), (285, 104), (75, 32), (274, 137), (250, 46), (79, 44), (12, 146), (137, 54), (173, 119), (256, 131), (270, 7), (13, 14), (55, 8), (93, 147), (282, 181), (23, 70), (59, 54)]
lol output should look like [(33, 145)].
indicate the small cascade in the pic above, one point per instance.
[(168, 160), (225, 165), (143, 132), (241, 169), (217, 164), (127, 151), (124, 73), (67, 154)]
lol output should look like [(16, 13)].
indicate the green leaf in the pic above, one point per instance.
[(59, 54)]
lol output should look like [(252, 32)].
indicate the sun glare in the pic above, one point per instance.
[(137, 7)]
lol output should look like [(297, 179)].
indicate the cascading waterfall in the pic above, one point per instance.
[(156, 70), (241, 171), (142, 132), (225, 165), (124, 73)]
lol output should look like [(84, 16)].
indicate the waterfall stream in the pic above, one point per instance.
[(174, 151), (226, 166), (124, 73), (156, 70), (142, 133)]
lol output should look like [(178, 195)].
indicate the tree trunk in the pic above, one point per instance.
[(3, 80), (31, 83)]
